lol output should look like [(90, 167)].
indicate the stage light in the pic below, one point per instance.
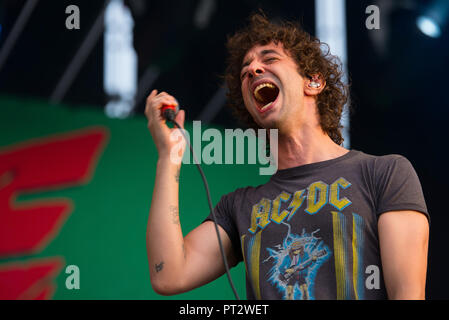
[(120, 60), (429, 27), (434, 18)]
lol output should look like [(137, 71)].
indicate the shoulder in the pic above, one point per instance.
[(386, 172), (366, 157), (393, 165), (391, 160), (238, 199), (384, 163)]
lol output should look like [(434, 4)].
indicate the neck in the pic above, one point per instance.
[(305, 146)]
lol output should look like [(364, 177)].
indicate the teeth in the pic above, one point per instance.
[(266, 106), (260, 86)]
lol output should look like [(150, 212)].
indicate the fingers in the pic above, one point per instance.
[(152, 94), (154, 103), (180, 117), (164, 98)]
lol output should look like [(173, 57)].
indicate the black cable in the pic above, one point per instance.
[(225, 261)]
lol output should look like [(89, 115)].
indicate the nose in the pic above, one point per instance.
[(255, 69)]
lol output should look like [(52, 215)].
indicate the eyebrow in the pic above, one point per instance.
[(262, 53)]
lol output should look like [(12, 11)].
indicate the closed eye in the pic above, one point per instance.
[(267, 60), (272, 59)]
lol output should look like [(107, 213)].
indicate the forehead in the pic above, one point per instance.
[(260, 50)]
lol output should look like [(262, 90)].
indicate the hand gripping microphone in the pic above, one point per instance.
[(169, 113)]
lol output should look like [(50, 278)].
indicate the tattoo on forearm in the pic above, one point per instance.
[(174, 212), (159, 266)]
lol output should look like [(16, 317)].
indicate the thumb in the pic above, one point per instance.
[(180, 117)]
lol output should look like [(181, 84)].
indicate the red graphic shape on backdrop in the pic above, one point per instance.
[(29, 280), (37, 165)]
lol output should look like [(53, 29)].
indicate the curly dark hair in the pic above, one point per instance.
[(311, 58)]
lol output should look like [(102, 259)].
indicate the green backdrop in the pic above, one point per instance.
[(104, 234)]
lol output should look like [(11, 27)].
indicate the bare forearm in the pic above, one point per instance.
[(407, 294), (406, 283), (165, 242), (403, 239)]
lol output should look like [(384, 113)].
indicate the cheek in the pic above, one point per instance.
[(247, 101), (294, 92), (245, 94)]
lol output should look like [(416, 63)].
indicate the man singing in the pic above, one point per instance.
[(361, 220)]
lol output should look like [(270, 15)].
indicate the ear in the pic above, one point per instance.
[(314, 85)]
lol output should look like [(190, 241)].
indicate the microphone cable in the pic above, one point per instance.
[(169, 115)]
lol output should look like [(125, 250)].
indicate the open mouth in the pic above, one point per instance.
[(265, 94)]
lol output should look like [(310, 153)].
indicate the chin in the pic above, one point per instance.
[(269, 123)]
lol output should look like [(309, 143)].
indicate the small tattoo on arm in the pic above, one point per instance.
[(174, 212), (159, 266)]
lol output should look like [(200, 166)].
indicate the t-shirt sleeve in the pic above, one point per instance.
[(224, 213), (398, 186)]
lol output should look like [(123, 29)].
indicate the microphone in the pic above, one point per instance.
[(169, 112)]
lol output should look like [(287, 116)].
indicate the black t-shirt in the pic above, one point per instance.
[(311, 231)]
